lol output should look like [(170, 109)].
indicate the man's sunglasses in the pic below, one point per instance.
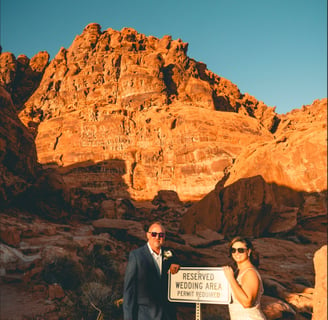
[(160, 234), (240, 250)]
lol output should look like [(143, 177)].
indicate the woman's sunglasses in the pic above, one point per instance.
[(160, 234), (240, 250)]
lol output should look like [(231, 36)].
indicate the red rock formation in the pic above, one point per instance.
[(320, 289), (17, 152), (296, 158), (273, 186), (139, 100), (21, 76), (295, 161), (8, 69), (123, 115)]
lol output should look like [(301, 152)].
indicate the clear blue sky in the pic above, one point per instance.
[(276, 50)]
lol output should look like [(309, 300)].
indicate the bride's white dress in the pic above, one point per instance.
[(238, 312)]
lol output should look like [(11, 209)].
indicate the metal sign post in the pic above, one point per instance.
[(198, 312)]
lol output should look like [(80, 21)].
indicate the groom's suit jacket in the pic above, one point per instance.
[(145, 291)]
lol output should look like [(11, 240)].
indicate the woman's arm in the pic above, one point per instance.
[(245, 293)]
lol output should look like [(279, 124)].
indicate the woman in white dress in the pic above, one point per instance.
[(245, 283)]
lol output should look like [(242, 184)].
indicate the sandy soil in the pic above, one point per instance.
[(17, 304)]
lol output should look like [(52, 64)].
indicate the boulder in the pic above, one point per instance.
[(320, 288)]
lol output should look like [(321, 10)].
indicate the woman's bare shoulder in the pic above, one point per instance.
[(249, 274)]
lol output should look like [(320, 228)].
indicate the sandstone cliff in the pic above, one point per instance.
[(121, 97), (21, 76), (18, 156), (122, 115), (274, 186)]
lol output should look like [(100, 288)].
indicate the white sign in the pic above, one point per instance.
[(199, 285)]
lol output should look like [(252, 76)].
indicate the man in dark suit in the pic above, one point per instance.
[(146, 279)]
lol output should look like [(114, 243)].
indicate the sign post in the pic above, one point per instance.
[(198, 312), (199, 285)]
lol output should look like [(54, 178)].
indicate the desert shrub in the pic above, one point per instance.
[(100, 257), (97, 301), (98, 292), (63, 271), (92, 290)]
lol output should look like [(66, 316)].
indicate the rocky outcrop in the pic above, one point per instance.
[(249, 206), (22, 76), (132, 70), (18, 157), (274, 186), (320, 289), (296, 158), (141, 105), (122, 115), (151, 151), (18, 154), (295, 163)]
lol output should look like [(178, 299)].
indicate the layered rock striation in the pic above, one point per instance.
[(275, 186), (18, 157), (21, 77), (141, 105), (120, 115)]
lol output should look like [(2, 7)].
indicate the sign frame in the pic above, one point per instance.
[(199, 277)]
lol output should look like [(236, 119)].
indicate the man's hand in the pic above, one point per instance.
[(174, 268)]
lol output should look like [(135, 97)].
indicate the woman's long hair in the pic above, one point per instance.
[(254, 256)]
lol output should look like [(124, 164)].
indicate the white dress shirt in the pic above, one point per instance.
[(157, 258)]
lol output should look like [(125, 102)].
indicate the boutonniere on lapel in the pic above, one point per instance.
[(167, 254)]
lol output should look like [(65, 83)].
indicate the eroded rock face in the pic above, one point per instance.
[(8, 68), (296, 158), (21, 76), (295, 162), (320, 289), (250, 206), (122, 115), (274, 186), (18, 164), (129, 115), (154, 150)]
